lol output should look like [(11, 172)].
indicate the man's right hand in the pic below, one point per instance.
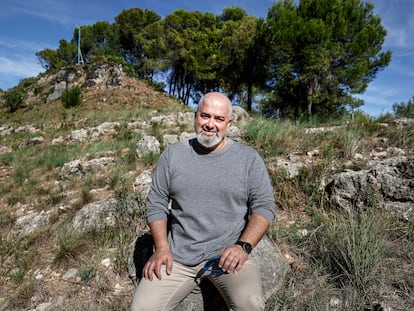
[(153, 265)]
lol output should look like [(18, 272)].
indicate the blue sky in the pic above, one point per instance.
[(29, 26)]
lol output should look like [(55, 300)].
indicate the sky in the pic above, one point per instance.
[(29, 26)]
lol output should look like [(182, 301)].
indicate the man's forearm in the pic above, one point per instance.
[(255, 229), (159, 234)]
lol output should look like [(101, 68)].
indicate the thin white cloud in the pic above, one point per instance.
[(22, 45), (396, 17), (19, 67)]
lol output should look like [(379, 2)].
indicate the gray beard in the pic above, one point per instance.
[(208, 143)]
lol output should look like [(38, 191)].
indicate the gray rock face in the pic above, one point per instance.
[(32, 222), (147, 145), (271, 264), (62, 81), (96, 215), (83, 167), (105, 73), (390, 182)]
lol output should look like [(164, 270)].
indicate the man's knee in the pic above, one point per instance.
[(248, 303), (147, 303)]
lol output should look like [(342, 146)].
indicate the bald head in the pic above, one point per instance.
[(218, 100), (212, 120)]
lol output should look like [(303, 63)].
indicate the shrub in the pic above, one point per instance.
[(87, 274), (355, 246), (28, 81), (70, 245), (72, 97), (14, 98), (404, 109)]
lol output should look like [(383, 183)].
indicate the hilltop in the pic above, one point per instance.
[(73, 184)]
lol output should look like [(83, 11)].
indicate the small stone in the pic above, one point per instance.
[(71, 273), (106, 262)]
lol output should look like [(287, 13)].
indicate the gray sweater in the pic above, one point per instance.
[(211, 195)]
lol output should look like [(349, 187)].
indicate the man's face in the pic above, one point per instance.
[(212, 122)]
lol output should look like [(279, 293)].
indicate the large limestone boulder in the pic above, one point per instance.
[(147, 145), (388, 183)]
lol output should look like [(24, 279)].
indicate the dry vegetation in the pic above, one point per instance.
[(338, 262)]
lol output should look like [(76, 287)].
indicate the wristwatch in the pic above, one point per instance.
[(247, 247)]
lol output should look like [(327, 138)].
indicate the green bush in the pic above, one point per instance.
[(404, 109), (14, 98), (72, 97), (87, 274), (28, 82)]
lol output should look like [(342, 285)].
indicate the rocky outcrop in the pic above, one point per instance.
[(84, 167), (147, 145), (104, 74), (31, 222), (95, 216), (101, 75), (387, 183), (63, 80)]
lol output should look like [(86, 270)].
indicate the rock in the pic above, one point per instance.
[(57, 91), (5, 130), (389, 182), (292, 169), (5, 149), (106, 262), (70, 274), (271, 264), (235, 133), (32, 142), (239, 115), (143, 182), (169, 139), (32, 222), (106, 128), (58, 141), (147, 145), (186, 136), (403, 121), (62, 81), (95, 216), (43, 306), (312, 130), (79, 135), (104, 75), (82, 168)]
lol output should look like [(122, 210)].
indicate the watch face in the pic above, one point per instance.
[(246, 246)]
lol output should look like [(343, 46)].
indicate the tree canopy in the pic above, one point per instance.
[(307, 57)]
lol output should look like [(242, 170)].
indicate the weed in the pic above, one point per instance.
[(70, 245), (72, 97), (354, 248), (20, 299), (87, 274), (130, 222), (150, 158)]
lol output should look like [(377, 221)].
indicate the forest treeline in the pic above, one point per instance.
[(306, 57)]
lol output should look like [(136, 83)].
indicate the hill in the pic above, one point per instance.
[(73, 184)]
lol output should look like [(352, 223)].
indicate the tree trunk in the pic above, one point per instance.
[(249, 97)]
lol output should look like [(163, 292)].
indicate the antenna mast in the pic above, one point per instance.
[(80, 58)]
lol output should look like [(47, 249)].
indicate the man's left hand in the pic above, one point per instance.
[(232, 259)]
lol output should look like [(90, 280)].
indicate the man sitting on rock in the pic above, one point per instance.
[(222, 204)]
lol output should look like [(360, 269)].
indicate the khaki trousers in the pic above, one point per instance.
[(242, 291)]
